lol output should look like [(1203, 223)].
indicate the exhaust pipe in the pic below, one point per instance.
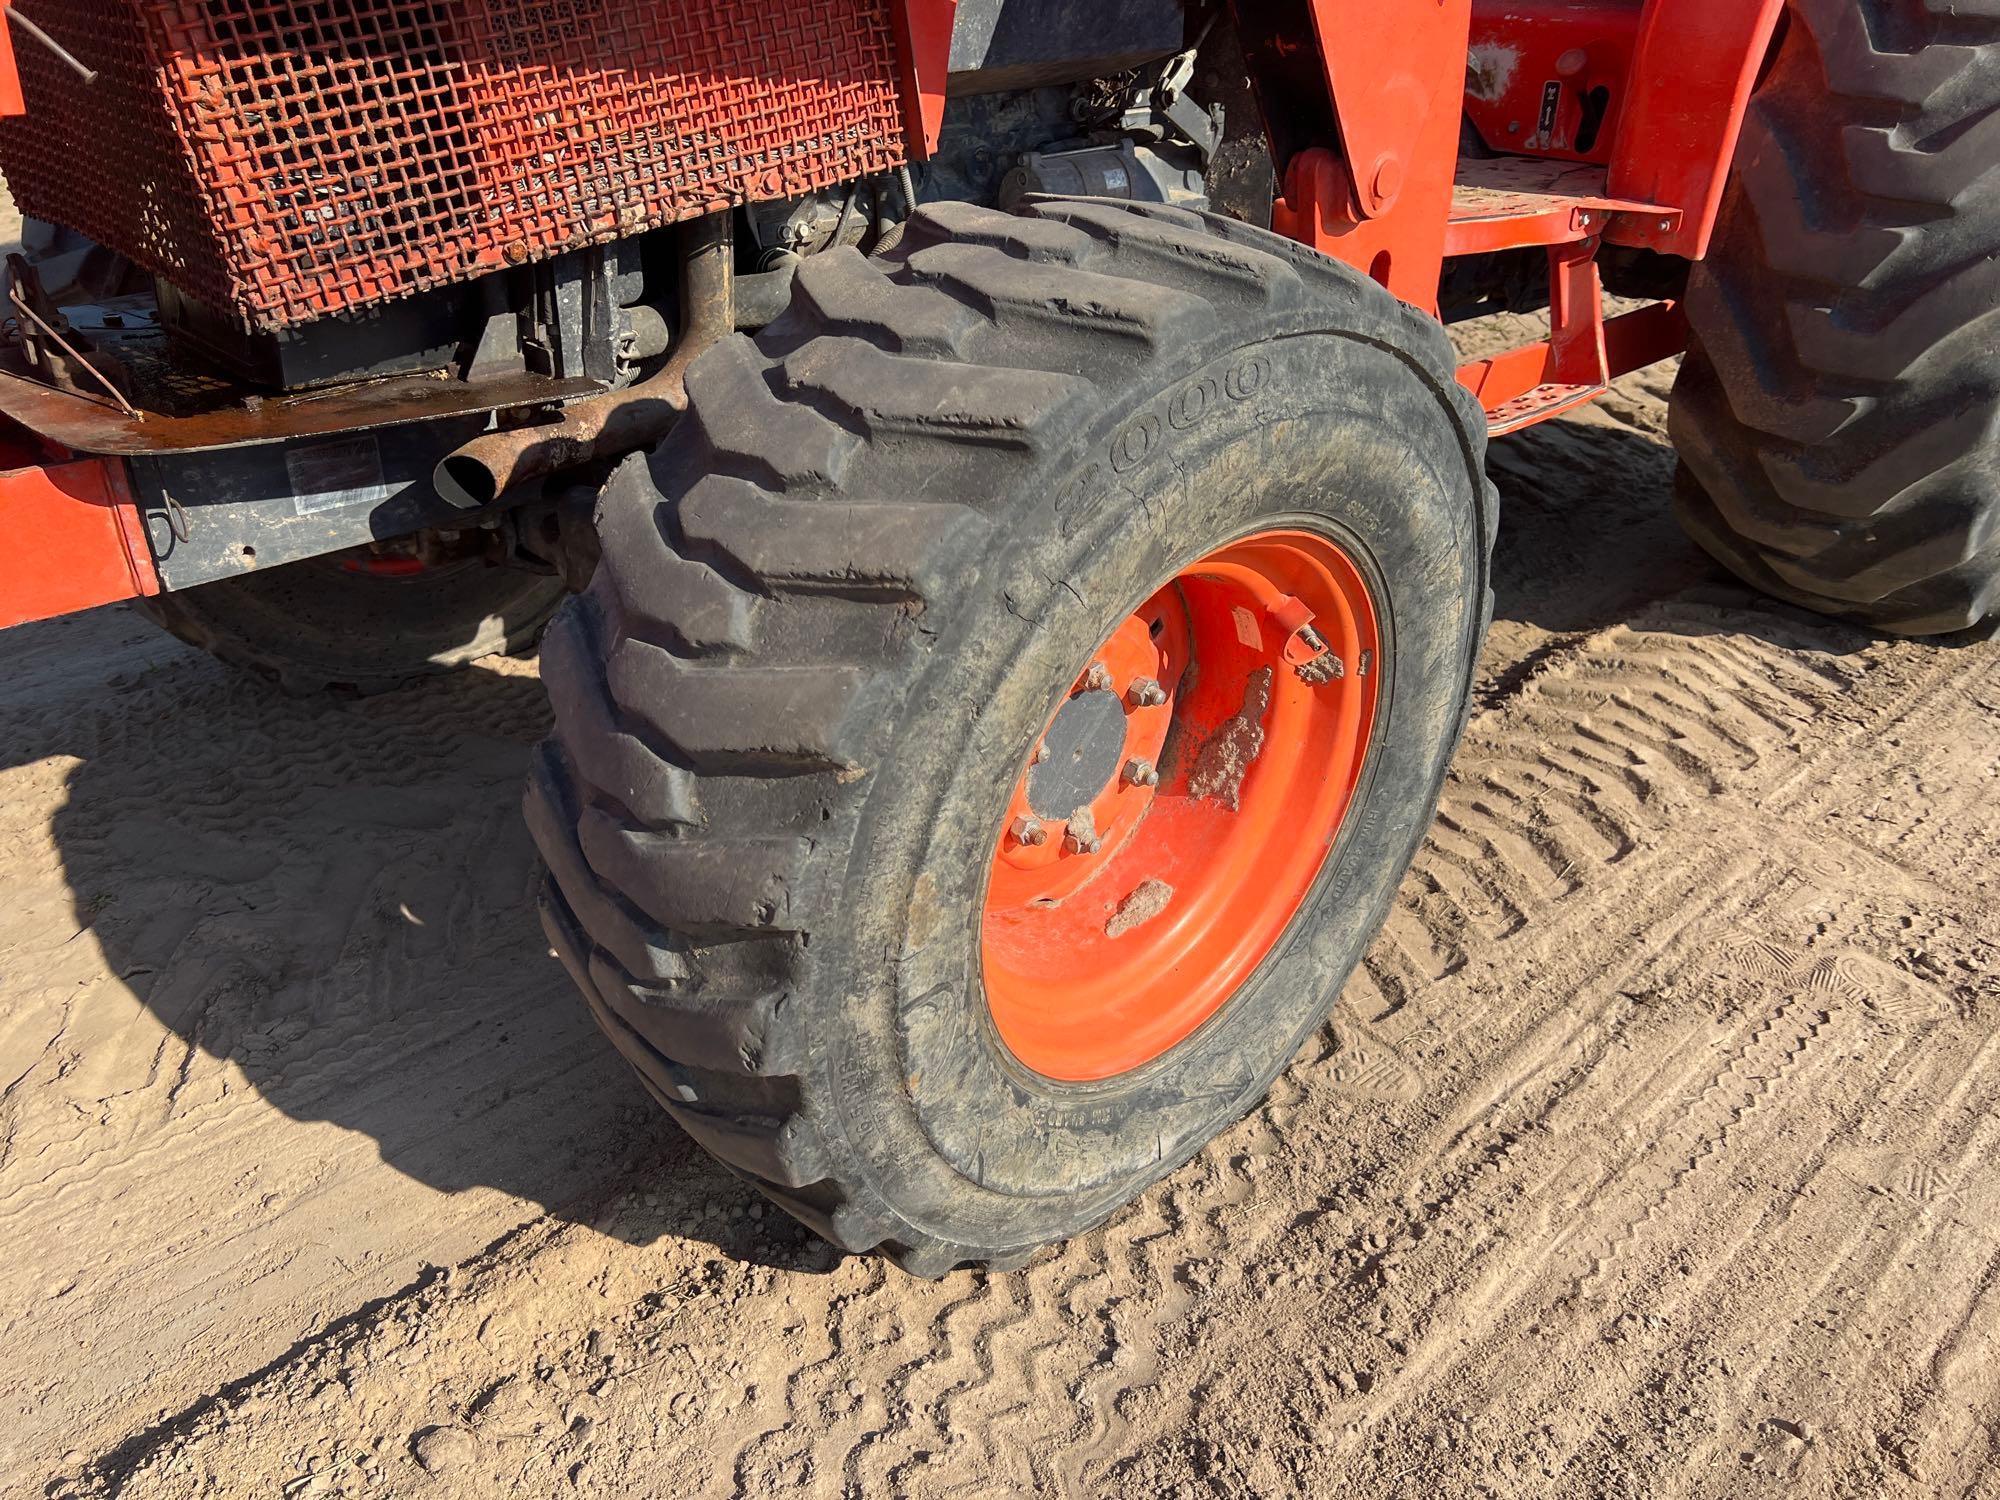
[(484, 469)]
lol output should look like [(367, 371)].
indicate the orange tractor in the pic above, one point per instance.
[(1028, 532)]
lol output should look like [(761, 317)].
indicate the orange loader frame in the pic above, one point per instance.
[(1590, 123)]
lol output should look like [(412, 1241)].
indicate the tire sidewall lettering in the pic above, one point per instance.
[(1135, 443), (1190, 404), (1246, 379), (1184, 410)]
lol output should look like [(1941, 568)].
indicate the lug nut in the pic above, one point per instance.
[(1081, 835), (1098, 678), (1041, 753), (1145, 692), (1141, 773), (1029, 831)]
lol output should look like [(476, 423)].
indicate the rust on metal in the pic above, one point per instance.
[(24, 291), (284, 161), (85, 424), (618, 421), (18, 17)]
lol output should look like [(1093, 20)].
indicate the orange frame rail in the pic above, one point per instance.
[(1367, 144)]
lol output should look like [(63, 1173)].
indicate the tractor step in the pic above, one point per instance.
[(1503, 203), (1539, 404), (1511, 203)]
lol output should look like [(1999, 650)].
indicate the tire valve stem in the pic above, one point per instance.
[(1097, 679), (1029, 831), (1145, 692), (1081, 835), (1141, 773)]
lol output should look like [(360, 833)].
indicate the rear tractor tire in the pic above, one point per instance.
[(1838, 413), (1004, 709)]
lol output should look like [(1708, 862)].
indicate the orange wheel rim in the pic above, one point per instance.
[(1179, 805)]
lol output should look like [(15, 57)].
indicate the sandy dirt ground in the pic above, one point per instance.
[(1654, 1151)]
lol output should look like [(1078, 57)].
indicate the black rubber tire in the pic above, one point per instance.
[(832, 613), (313, 626), (1838, 413)]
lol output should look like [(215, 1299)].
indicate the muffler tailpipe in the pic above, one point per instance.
[(481, 471)]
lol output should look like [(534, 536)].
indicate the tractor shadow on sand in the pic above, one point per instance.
[(332, 902)]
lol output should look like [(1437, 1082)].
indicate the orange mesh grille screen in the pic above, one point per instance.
[(285, 159)]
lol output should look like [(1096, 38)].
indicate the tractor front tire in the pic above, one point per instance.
[(1838, 413), (848, 646)]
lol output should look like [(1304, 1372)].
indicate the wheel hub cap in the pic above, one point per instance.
[(1082, 754)]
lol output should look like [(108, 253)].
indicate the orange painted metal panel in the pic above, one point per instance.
[(1396, 78), (1631, 341), (923, 40), (11, 100), (1549, 76), (1692, 73), (70, 539)]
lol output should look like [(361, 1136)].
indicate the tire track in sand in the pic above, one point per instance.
[(1598, 1001)]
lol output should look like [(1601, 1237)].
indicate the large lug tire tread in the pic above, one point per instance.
[(310, 628), (776, 581), (1838, 413)]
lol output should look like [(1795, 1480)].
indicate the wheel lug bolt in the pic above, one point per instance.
[(1098, 678), (1145, 693), (1041, 753), (1081, 835), (1141, 773), (1029, 831)]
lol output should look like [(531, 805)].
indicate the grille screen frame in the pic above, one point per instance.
[(282, 160)]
